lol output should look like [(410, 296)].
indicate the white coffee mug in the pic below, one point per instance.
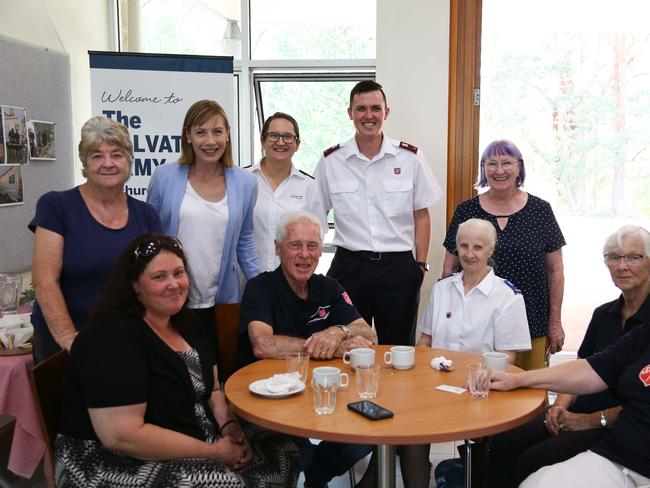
[(495, 360), (400, 357), (360, 356), (329, 375)]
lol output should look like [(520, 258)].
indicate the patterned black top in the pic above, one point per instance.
[(520, 253)]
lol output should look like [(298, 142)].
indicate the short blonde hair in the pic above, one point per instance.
[(197, 114), (99, 130)]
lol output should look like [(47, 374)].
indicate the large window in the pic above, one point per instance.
[(317, 102), (568, 83), (301, 57), (308, 29), (295, 56)]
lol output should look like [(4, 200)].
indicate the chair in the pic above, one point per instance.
[(46, 379), (7, 424), (227, 318)]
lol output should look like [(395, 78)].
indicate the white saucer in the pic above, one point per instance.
[(259, 388)]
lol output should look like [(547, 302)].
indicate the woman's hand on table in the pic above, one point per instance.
[(500, 380)]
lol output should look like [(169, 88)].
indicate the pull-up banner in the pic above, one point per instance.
[(149, 94)]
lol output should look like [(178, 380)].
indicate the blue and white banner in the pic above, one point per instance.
[(150, 93)]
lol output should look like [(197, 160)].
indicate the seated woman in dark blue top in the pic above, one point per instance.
[(80, 233), (575, 423), (141, 407)]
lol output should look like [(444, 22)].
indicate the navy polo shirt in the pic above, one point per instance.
[(269, 299), (625, 368), (605, 329)]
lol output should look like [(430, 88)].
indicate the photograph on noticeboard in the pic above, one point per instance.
[(42, 141), (14, 133), (11, 185)]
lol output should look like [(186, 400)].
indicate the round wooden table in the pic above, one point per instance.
[(422, 413)]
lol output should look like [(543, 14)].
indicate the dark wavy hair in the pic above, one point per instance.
[(118, 299)]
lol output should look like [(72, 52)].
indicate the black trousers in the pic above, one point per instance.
[(517, 453), (386, 290)]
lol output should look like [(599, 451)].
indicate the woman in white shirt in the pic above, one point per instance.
[(472, 311), (281, 186), (475, 310)]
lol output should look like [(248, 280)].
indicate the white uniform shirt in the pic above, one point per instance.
[(374, 200), (202, 231), (492, 316), (299, 192)]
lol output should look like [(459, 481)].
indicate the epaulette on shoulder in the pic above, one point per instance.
[(512, 286), (447, 277), (329, 151), (408, 147), (247, 167), (306, 174)]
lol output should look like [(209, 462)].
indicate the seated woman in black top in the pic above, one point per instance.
[(141, 406), (575, 423)]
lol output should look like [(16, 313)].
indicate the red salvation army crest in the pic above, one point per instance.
[(322, 313), (397, 170), (644, 375), (346, 297)]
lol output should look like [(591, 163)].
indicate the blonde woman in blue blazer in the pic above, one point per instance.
[(208, 204)]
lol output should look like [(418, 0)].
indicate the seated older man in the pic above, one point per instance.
[(292, 309)]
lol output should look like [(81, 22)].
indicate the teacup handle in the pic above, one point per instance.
[(344, 379), (388, 357), (346, 357)]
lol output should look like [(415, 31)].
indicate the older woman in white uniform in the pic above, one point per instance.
[(281, 186), (472, 311), (475, 310)]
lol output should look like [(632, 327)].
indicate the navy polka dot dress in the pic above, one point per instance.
[(520, 253)]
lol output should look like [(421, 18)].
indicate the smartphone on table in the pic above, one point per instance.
[(370, 410)]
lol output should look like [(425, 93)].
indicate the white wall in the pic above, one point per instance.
[(70, 26), (413, 68)]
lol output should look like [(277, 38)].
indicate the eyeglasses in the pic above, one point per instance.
[(147, 249), (630, 259), (506, 165), (286, 138)]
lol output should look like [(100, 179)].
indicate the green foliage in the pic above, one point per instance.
[(580, 122)]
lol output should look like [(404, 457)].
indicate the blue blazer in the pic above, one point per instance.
[(165, 194)]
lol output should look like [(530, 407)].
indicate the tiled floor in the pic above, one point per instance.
[(438, 453)]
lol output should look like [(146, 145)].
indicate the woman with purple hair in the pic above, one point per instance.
[(528, 252)]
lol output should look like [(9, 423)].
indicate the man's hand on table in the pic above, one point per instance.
[(324, 344)]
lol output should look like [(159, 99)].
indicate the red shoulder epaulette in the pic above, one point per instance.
[(408, 147), (329, 151)]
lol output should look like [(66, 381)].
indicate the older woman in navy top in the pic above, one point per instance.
[(80, 233), (529, 245), (208, 204), (621, 459)]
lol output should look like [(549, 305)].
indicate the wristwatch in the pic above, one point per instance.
[(603, 420), (423, 264), (346, 329)]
